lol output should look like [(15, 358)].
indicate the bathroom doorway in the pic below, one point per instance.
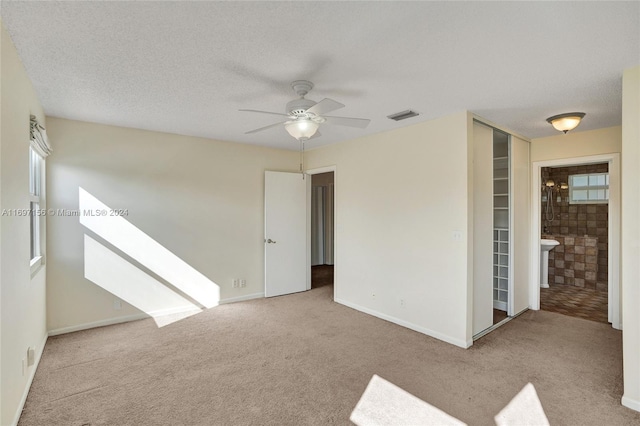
[(576, 202), (575, 215)]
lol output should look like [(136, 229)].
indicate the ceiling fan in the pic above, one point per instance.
[(304, 116)]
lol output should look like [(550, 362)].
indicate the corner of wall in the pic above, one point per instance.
[(470, 229), (630, 251), (389, 187)]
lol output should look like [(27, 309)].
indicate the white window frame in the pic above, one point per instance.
[(587, 187), (36, 206)]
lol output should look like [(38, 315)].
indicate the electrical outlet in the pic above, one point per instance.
[(236, 283), (117, 304), (456, 235), (243, 283), (31, 356), (402, 302)]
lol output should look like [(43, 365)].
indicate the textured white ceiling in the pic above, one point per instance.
[(187, 67)]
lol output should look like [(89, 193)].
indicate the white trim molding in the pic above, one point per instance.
[(142, 315), (631, 403), (95, 324), (242, 298)]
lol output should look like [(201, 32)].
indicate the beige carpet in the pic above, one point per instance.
[(305, 360)]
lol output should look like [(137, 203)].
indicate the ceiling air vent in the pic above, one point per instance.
[(403, 115)]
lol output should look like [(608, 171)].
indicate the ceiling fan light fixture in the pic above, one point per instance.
[(566, 122), (304, 116), (301, 129)]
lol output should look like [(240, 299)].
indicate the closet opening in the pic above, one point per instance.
[(501, 227)]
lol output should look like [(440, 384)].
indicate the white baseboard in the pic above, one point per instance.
[(95, 324), (242, 298), (173, 311), (631, 403), (32, 374), (141, 315), (403, 323)]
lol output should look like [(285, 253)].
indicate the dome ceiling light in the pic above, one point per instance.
[(567, 121)]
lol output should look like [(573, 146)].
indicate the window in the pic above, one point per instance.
[(35, 192), (592, 188), (39, 149)]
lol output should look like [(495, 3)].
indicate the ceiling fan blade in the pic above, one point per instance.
[(324, 106), (264, 112), (265, 127), (348, 121)]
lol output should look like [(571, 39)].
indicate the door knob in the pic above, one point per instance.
[(270, 241)]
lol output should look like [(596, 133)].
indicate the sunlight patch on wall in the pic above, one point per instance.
[(111, 272), (145, 250)]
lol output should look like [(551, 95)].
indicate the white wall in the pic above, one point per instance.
[(22, 298), (630, 275), (399, 197), (201, 200)]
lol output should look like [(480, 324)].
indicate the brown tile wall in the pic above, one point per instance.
[(574, 261), (578, 219)]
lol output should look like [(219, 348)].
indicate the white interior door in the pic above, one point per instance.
[(286, 230)]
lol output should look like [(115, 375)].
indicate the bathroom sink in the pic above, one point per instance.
[(546, 245)]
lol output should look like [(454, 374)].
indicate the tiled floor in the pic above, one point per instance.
[(575, 301)]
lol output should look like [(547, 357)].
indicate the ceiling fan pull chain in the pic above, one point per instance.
[(302, 158)]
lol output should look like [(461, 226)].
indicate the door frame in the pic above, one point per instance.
[(317, 171), (613, 272)]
